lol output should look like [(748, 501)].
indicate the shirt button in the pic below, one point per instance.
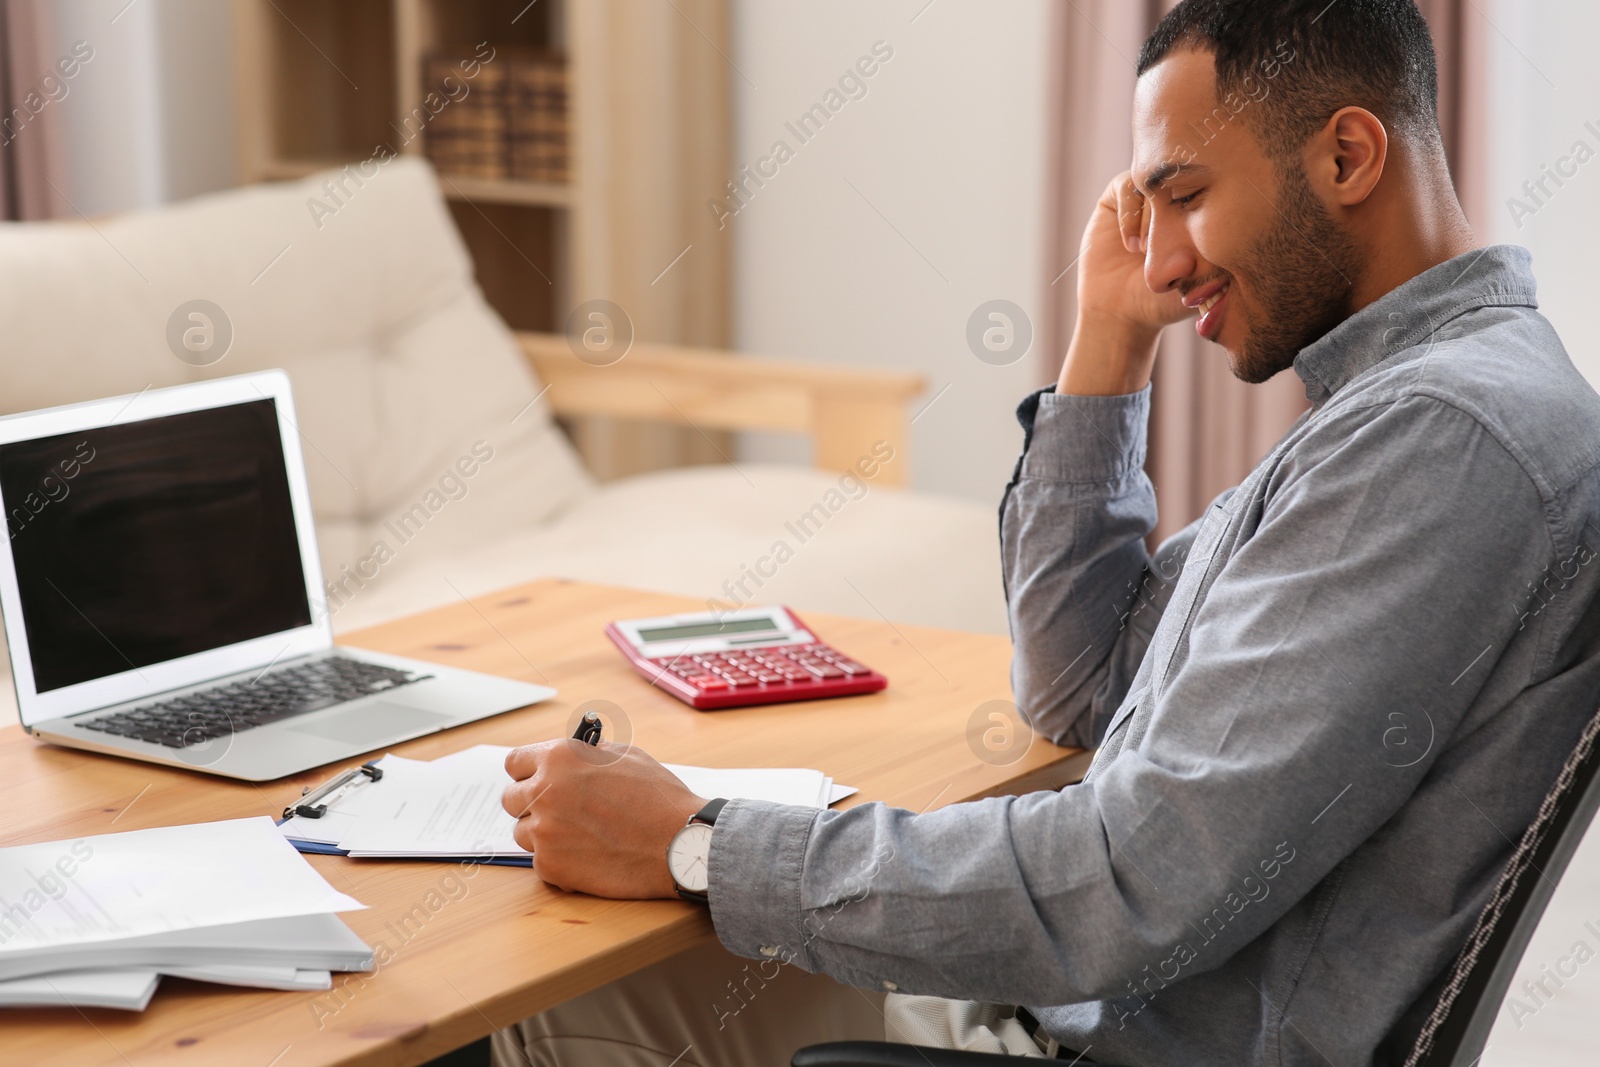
[(889, 987), (769, 951)]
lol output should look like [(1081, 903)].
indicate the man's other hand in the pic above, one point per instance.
[(597, 819), (1111, 279), (1119, 316)]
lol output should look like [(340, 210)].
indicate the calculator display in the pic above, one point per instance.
[(710, 628)]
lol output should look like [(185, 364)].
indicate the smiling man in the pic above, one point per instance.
[(1345, 689)]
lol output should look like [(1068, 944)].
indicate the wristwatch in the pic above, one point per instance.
[(689, 853)]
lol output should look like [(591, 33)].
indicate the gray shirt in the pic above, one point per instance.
[(1325, 711)]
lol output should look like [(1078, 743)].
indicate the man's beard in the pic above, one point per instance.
[(1302, 273)]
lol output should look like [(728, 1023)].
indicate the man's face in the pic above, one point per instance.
[(1224, 220)]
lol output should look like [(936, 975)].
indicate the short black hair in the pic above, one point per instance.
[(1375, 54)]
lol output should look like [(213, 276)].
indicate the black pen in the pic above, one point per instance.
[(588, 729)]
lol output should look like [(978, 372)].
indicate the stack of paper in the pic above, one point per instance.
[(449, 808), (95, 922)]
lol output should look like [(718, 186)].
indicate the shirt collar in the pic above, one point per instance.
[(1408, 314)]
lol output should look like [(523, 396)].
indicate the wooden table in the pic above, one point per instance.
[(475, 948)]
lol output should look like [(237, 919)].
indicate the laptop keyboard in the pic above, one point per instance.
[(196, 718)]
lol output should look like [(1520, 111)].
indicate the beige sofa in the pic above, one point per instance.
[(400, 369)]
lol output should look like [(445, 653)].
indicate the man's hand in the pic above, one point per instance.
[(1119, 317), (597, 819)]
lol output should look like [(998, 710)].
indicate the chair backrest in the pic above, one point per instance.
[(1457, 1029)]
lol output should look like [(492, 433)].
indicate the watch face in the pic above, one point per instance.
[(688, 857)]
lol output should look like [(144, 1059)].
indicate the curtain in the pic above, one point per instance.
[(30, 150), (1207, 428), (654, 119)]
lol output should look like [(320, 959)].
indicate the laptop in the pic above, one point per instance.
[(163, 599)]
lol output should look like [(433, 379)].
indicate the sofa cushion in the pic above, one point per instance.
[(400, 369), (731, 536)]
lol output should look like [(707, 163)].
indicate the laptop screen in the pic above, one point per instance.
[(141, 542)]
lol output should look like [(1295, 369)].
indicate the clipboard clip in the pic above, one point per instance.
[(313, 803)]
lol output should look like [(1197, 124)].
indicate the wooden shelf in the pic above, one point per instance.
[(323, 83), (335, 70), (506, 191)]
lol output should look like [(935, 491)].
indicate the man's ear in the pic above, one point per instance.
[(1346, 159)]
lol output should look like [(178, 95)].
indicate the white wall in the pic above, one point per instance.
[(945, 153), (1545, 89), (150, 117)]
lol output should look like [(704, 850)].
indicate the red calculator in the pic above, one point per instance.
[(734, 659)]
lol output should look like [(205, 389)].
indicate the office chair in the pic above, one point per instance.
[(1456, 1030)]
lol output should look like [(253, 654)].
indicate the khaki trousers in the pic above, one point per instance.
[(703, 1008)]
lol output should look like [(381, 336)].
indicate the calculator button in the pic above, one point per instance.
[(825, 670), (739, 680), (711, 683), (768, 678)]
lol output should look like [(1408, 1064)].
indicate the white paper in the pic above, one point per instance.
[(450, 807), (491, 759), (780, 785), (129, 990), (165, 879), (254, 977)]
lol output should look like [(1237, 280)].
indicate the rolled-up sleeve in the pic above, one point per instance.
[(1346, 604)]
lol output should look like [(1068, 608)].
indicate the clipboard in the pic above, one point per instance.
[(315, 803)]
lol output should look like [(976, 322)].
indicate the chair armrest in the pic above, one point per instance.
[(885, 1054), (844, 410)]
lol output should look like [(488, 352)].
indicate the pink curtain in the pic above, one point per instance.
[(1207, 428), (1461, 38), (30, 149)]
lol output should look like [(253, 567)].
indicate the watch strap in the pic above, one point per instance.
[(709, 813)]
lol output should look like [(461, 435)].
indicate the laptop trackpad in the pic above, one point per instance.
[(373, 723)]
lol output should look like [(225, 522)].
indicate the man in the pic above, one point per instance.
[(1324, 711)]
